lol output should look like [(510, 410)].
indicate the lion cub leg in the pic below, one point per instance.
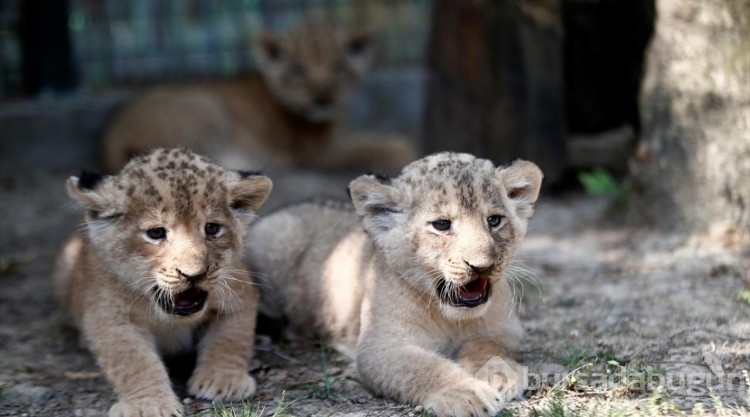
[(486, 359), (419, 376), (224, 352), (128, 357), (388, 155)]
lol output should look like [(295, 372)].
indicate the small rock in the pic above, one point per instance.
[(350, 385), (418, 409), (263, 340), (27, 393), (279, 376), (187, 400), (88, 412), (255, 365)]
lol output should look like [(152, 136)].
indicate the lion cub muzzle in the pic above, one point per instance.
[(472, 288), (469, 295), (189, 301), (185, 303)]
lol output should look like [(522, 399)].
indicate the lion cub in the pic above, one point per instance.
[(418, 295), (157, 266), (284, 115)]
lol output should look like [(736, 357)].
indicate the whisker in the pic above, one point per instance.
[(229, 271)]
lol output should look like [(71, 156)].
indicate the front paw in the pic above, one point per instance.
[(506, 377), (222, 385), (471, 397), (157, 406)]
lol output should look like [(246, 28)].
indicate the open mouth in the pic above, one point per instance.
[(185, 303), (473, 294)]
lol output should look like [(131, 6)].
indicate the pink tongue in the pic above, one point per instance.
[(187, 298), (473, 289)]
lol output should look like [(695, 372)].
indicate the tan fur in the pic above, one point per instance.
[(284, 115), (122, 287), (374, 291)]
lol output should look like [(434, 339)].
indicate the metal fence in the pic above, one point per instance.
[(10, 54), (119, 42)]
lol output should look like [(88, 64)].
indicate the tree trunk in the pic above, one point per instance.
[(495, 84), (692, 167)]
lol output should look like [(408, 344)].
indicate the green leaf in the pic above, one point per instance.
[(599, 182)]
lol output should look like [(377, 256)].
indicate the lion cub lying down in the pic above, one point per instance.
[(282, 115), (417, 296), (158, 264)]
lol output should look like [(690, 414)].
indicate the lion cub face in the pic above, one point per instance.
[(170, 225), (450, 225), (312, 70)]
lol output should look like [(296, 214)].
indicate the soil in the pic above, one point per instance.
[(593, 292)]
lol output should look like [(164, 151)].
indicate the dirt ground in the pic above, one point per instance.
[(639, 302)]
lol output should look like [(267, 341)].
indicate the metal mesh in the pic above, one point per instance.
[(118, 42)]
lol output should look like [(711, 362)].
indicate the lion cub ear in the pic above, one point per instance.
[(248, 194), (376, 200), (89, 190), (522, 180)]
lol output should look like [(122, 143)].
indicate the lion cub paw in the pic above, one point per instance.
[(222, 385), (511, 388), (471, 397), (167, 406)]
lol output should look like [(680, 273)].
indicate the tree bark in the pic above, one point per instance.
[(692, 167)]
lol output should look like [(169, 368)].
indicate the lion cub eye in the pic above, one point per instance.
[(212, 229), (156, 233), (494, 220), (441, 225)]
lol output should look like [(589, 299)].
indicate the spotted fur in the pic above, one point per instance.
[(384, 284), (157, 264)]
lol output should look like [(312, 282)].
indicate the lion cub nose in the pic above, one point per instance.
[(193, 278), (479, 268)]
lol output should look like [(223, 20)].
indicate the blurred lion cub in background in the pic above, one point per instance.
[(283, 115)]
